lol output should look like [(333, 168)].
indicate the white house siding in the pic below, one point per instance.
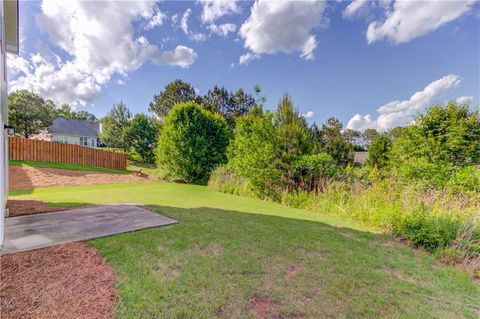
[(74, 139)]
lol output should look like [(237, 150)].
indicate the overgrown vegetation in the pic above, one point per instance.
[(421, 182)]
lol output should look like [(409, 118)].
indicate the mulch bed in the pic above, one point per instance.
[(17, 207), (65, 281)]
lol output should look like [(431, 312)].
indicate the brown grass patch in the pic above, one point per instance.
[(65, 281)]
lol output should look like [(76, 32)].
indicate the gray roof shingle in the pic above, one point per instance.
[(74, 127)]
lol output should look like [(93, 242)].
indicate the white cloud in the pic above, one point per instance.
[(247, 57), (283, 26), (222, 29), (156, 20), (400, 113), (184, 21), (182, 56), (308, 115), (464, 100), (215, 9), (120, 82), (197, 37), (411, 19), (354, 8), (97, 49)]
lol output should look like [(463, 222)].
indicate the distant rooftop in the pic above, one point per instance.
[(74, 127)]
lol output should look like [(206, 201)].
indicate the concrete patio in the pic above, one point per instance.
[(35, 231)]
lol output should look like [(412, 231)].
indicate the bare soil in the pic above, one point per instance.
[(26, 177), (65, 281), (17, 207)]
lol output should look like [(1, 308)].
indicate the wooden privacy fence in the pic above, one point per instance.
[(43, 151)]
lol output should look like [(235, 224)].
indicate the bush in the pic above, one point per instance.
[(312, 172), (192, 144)]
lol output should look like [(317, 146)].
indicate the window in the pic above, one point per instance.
[(60, 139), (84, 140)]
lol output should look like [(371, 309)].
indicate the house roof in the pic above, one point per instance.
[(74, 127)]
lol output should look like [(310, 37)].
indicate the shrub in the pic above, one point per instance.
[(313, 171), (192, 144)]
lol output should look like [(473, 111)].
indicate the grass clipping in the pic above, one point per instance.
[(65, 281)]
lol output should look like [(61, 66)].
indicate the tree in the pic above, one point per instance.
[(175, 92), (378, 152), (331, 129), (229, 104), (115, 127), (66, 111), (369, 135), (255, 153), (292, 131), (29, 112), (448, 135), (341, 150), (192, 144), (142, 134)]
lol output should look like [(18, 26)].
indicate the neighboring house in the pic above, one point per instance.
[(71, 131), (360, 158)]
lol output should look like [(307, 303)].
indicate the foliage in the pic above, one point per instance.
[(378, 152), (254, 154), (115, 127), (142, 133), (29, 113), (192, 144), (440, 142), (224, 180), (312, 172), (66, 111), (369, 135), (341, 150), (174, 93), (292, 131), (229, 104)]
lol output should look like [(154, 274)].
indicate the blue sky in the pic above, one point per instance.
[(368, 63)]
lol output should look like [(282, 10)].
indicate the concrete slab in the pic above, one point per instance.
[(35, 231)]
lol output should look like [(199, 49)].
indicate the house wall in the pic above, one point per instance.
[(3, 121), (73, 139)]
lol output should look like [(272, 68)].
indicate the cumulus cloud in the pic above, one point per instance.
[(222, 29), (283, 26), (97, 49), (184, 21), (400, 113), (215, 9), (194, 36), (156, 20), (247, 58), (354, 8), (464, 100), (182, 56), (408, 20), (308, 115)]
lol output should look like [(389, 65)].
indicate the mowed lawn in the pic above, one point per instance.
[(229, 251)]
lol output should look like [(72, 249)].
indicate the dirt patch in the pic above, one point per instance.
[(25, 177), (291, 272), (261, 307), (30, 207), (65, 281)]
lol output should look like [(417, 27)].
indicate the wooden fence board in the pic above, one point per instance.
[(43, 151)]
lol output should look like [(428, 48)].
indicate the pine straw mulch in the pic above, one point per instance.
[(65, 281), (17, 207)]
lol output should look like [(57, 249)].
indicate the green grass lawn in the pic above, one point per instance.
[(147, 168), (74, 167), (228, 250)]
